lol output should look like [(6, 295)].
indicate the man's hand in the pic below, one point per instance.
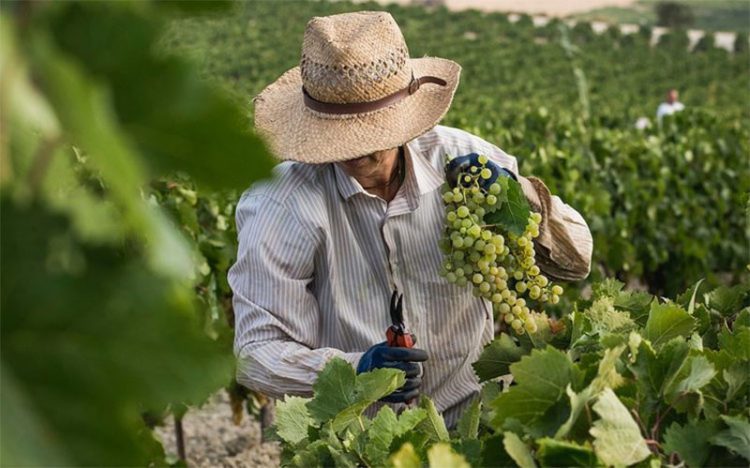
[(382, 356), (461, 164)]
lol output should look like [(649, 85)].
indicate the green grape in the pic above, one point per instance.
[(482, 159), (494, 263)]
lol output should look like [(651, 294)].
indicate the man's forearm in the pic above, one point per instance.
[(275, 368)]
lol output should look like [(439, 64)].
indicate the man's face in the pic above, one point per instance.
[(672, 96), (368, 165)]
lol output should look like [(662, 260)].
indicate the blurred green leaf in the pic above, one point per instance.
[(179, 121), (84, 333)]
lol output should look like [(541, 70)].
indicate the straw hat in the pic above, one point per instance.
[(356, 91)]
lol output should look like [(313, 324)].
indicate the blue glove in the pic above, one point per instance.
[(461, 164), (382, 356)]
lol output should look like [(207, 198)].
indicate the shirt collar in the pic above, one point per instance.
[(421, 178)]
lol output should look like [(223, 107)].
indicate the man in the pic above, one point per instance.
[(671, 105), (358, 214)]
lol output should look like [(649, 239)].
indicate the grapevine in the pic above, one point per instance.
[(484, 253)]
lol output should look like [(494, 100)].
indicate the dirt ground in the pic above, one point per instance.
[(212, 439)]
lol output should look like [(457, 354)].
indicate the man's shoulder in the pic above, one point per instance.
[(441, 135), (442, 141), (290, 183)]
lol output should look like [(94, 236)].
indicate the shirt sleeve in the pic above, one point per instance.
[(564, 245), (276, 314)]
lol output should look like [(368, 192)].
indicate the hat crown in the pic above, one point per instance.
[(354, 57)]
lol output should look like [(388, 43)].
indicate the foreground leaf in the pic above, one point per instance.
[(553, 452), (434, 424), (441, 455), (617, 438), (542, 378), (518, 450), (293, 419), (736, 438), (88, 360), (468, 425), (667, 321), (405, 457), (333, 390), (690, 442), (497, 357), (514, 212)]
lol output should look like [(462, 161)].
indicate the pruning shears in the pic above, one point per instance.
[(397, 335)]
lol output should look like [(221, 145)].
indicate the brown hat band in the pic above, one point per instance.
[(362, 107)]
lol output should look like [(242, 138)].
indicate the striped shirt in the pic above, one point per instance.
[(319, 258)]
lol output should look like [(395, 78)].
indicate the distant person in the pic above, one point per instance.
[(671, 105)]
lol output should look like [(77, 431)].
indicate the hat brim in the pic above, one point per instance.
[(297, 133)]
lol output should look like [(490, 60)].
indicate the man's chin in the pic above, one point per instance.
[(358, 163)]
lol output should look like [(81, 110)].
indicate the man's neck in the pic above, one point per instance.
[(380, 174)]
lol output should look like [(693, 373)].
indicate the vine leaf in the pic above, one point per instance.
[(497, 357), (518, 450), (617, 439), (667, 321), (691, 441), (553, 452), (441, 455), (293, 419), (405, 457), (736, 438), (542, 378), (514, 213), (433, 425), (468, 425), (341, 395)]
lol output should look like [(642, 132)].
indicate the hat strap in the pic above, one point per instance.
[(362, 107)]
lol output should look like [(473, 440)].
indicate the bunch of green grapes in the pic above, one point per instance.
[(498, 265)]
